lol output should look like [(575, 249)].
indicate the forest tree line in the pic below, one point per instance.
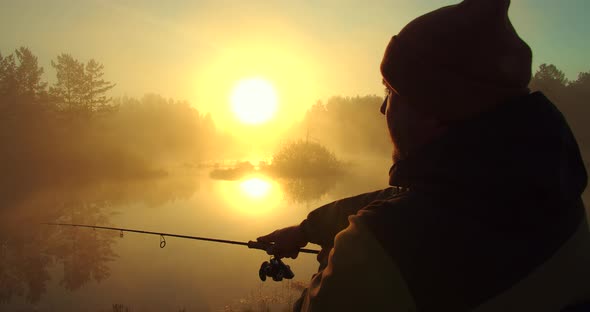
[(572, 97), (71, 132)]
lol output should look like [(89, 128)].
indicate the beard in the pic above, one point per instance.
[(396, 156), (399, 133)]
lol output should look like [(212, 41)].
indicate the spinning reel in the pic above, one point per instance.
[(275, 269)]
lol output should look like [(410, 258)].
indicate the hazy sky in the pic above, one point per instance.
[(309, 49)]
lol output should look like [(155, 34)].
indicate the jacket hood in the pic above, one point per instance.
[(524, 146)]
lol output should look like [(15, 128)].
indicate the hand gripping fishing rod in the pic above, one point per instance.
[(275, 268)]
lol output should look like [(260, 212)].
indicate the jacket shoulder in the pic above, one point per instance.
[(359, 276)]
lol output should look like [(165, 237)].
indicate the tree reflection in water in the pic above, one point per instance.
[(32, 250), (306, 190), (32, 253), (84, 254)]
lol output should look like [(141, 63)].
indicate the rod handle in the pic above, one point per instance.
[(268, 247), (259, 245)]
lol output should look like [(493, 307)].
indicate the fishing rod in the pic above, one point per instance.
[(275, 268), (251, 244)]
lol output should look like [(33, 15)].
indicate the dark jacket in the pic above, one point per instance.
[(492, 220)]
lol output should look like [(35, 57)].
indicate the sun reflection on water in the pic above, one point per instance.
[(254, 196)]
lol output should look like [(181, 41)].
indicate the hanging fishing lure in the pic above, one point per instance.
[(275, 268)]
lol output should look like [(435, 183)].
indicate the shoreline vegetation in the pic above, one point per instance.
[(298, 159), (70, 132), (306, 170)]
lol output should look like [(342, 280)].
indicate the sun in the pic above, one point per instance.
[(254, 101)]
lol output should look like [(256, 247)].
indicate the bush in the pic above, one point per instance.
[(305, 159)]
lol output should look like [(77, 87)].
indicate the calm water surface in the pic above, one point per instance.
[(47, 268)]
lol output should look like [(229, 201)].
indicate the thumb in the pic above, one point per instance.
[(269, 238)]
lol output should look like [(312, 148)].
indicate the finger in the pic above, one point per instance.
[(279, 252), (271, 251), (269, 238), (287, 252), (293, 255)]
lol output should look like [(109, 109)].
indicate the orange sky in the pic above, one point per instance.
[(309, 50)]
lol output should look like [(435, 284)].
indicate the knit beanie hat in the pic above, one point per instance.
[(459, 60)]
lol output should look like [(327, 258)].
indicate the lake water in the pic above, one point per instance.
[(48, 268)]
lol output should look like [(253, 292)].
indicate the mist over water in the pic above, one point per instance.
[(73, 269), (72, 155)]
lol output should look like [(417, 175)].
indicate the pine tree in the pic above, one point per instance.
[(96, 87), (28, 74), (68, 90), (80, 89)]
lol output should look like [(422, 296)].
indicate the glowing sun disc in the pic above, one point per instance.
[(254, 101)]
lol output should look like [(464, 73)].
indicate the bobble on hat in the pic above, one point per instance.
[(488, 6), (459, 60)]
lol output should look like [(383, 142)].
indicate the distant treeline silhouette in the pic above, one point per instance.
[(353, 126), (571, 97), (71, 132)]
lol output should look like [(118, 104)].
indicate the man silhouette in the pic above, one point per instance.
[(484, 210)]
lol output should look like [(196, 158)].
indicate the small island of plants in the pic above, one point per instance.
[(299, 159)]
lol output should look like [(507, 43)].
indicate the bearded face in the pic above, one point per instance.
[(409, 128), (399, 125)]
